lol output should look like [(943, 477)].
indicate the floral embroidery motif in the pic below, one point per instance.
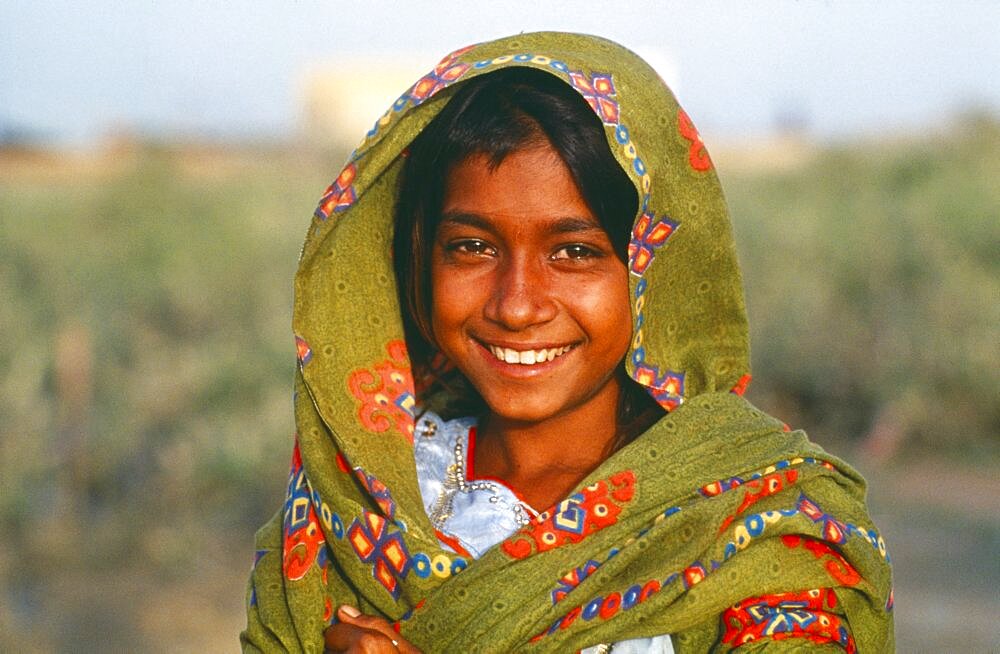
[(594, 508), (304, 543), (806, 615), (598, 90), (697, 154), (386, 395), (693, 574), (381, 548)]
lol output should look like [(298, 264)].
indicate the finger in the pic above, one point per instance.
[(351, 615), (344, 637)]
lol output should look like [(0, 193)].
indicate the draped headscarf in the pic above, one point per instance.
[(718, 525)]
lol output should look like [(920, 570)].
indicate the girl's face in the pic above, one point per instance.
[(530, 301)]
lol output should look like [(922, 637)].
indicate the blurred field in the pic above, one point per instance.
[(146, 362)]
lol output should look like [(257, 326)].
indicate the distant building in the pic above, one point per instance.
[(341, 100)]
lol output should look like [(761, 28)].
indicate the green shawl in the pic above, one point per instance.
[(718, 525)]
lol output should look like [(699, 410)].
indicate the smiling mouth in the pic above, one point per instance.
[(527, 357)]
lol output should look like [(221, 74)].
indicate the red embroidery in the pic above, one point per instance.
[(648, 234), (697, 154), (757, 489), (446, 72), (597, 89), (694, 574), (302, 351), (575, 518), (302, 547), (340, 195), (838, 567), (382, 548), (304, 540), (453, 543), (741, 386), (386, 395), (787, 615)]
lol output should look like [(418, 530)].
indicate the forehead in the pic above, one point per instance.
[(528, 184)]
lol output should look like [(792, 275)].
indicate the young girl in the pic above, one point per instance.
[(522, 348)]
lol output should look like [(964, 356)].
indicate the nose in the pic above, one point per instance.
[(521, 296)]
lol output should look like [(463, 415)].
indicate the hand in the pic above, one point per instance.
[(364, 634)]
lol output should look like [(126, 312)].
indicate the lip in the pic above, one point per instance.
[(517, 369)]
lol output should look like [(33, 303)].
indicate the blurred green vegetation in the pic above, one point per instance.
[(873, 288), (146, 356)]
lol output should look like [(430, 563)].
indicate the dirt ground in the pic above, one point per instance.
[(942, 525)]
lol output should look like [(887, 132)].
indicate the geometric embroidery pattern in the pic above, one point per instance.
[(807, 615), (304, 543), (340, 194), (598, 90), (572, 579), (443, 74), (648, 234), (667, 388), (592, 509), (378, 491), (385, 551)]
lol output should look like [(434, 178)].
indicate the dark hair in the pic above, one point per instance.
[(494, 115)]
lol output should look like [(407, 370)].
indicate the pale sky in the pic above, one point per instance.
[(71, 72)]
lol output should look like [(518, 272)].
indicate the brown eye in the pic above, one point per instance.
[(470, 246), (575, 251)]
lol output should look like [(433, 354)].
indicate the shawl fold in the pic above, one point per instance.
[(718, 525)]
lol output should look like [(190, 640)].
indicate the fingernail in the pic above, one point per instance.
[(350, 611)]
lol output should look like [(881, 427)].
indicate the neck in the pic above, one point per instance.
[(545, 461)]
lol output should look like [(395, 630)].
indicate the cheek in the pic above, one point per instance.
[(604, 309), (452, 298), (441, 308), (620, 314)]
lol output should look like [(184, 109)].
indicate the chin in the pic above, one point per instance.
[(526, 410)]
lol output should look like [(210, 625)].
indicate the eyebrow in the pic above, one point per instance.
[(566, 225)]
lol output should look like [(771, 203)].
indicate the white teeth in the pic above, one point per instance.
[(528, 357)]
